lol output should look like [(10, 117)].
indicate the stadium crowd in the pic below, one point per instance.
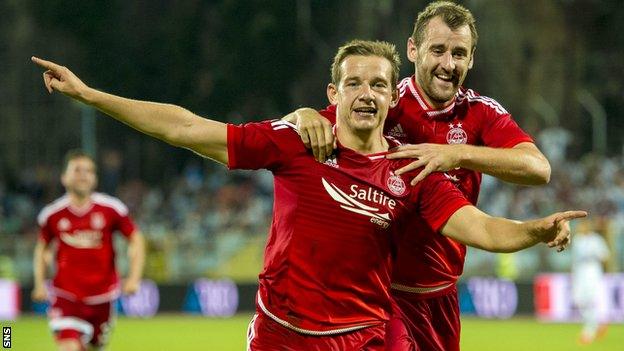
[(202, 220)]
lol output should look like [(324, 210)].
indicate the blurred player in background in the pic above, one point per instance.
[(81, 225), (461, 133), (326, 275), (589, 255)]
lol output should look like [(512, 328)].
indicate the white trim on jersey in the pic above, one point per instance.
[(58, 292), (414, 91), (54, 207), (432, 113), (376, 157), (420, 290), (396, 141), (423, 104), (471, 96), (88, 300), (461, 96), (285, 324), (279, 124), (102, 298), (403, 85), (110, 201), (80, 211), (251, 332), (96, 198), (63, 323)]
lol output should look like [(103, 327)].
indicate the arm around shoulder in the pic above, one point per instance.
[(316, 131), (522, 164), (538, 168)]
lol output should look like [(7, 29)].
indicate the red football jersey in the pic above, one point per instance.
[(85, 259), (429, 260), (469, 119), (328, 254)]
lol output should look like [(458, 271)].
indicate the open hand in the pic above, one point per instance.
[(433, 157), (316, 133)]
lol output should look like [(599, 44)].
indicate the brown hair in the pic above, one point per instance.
[(452, 14), (75, 154), (367, 48)]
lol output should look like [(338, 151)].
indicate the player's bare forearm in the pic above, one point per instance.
[(472, 227), (39, 292), (523, 164), (170, 123), (136, 256), (39, 267)]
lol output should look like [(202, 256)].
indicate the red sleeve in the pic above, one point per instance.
[(45, 233), (265, 144), (126, 226), (499, 128), (330, 113), (438, 199)]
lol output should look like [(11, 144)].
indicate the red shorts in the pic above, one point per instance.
[(89, 324), (424, 324), (264, 334)]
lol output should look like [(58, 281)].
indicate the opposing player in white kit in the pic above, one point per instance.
[(589, 253)]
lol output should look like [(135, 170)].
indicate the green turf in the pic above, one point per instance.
[(178, 332)]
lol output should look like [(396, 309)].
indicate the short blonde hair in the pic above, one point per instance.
[(367, 48)]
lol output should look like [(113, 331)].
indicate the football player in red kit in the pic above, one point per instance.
[(451, 129), (326, 275), (81, 225)]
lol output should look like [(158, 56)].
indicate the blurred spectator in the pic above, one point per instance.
[(110, 171)]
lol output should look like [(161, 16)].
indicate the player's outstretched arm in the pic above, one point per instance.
[(170, 123), (471, 226), (315, 130), (522, 164), (39, 293)]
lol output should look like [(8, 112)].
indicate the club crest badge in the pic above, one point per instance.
[(63, 225), (456, 135), (97, 221), (396, 185)]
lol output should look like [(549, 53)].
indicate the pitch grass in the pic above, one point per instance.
[(183, 332)]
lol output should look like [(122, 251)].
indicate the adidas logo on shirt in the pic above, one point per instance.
[(331, 161), (397, 132)]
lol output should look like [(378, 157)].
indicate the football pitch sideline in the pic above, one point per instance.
[(185, 332)]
